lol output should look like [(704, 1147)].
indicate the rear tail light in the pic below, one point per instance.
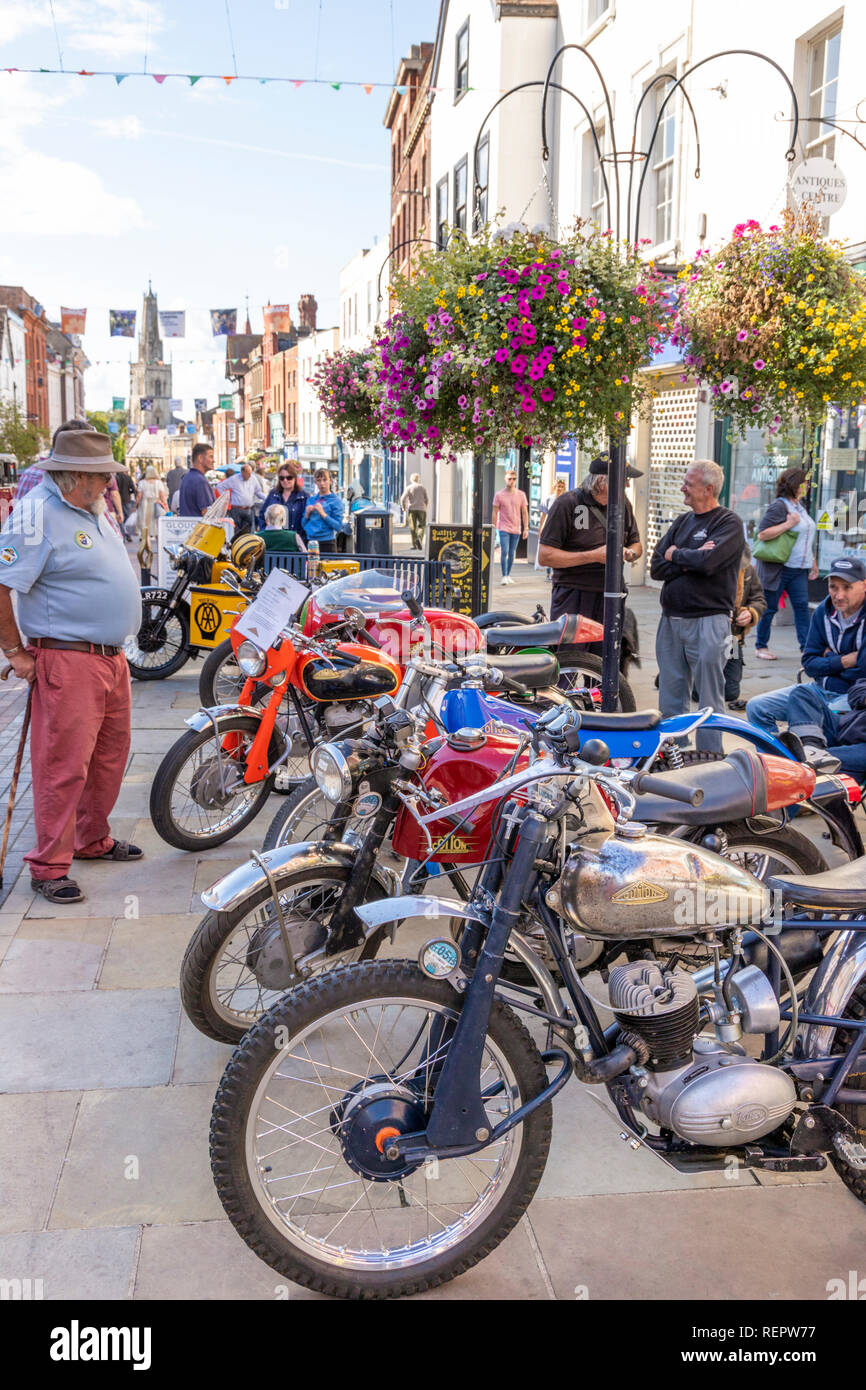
[(787, 781), (853, 790)]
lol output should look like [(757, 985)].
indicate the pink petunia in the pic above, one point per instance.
[(759, 364)]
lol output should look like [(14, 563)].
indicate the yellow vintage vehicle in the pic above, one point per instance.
[(198, 610)]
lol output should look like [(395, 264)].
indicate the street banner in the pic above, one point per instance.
[(225, 403), (175, 403), (121, 323), (145, 402), (454, 543), (190, 429), (153, 429), (173, 322), (113, 427), (223, 321), (200, 403), (132, 429), (72, 320), (118, 402), (278, 318), (171, 429)]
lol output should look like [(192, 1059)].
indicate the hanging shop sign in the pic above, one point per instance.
[(454, 543), (821, 185)]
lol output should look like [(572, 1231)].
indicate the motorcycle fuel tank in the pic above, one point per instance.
[(651, 885), (365, 676)]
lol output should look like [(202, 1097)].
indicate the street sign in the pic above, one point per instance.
[(454, 543), (820, 185)]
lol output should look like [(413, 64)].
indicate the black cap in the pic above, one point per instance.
[(599, 467), (848, 567)]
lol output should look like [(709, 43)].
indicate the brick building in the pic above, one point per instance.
[(17, 299), (407, 118), (225, 438)]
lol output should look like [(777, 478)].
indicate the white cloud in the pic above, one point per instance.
[(119, 127), (44, 196)]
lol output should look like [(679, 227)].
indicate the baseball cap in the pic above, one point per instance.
[(848, 567), (600, 465)]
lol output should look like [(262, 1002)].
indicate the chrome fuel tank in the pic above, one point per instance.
[(651, 885)]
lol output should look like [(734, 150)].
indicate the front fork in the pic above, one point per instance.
[(344, 929)]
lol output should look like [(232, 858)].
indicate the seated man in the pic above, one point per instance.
[(276, 535), (825, 732), (835, 651)]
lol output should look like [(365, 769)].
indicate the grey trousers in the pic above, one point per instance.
[(692, 652)]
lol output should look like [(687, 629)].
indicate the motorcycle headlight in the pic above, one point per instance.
[(174, 555), (331, 771), (251, 659)]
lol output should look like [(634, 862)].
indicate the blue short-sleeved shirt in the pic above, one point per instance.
[(324, 528), (196, 493), (70, 570)]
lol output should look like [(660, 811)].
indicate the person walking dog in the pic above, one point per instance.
[(698, 561), (78, 600)]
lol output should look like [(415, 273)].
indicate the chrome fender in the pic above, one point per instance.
[(204, 718), (437, 909), (841, 970), (230, 890)]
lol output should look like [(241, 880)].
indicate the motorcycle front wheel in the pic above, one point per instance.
[(297, 1130), (161, 645), (235, 967), (191, 808)]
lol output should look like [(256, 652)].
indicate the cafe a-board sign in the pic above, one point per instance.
[(454, 544)]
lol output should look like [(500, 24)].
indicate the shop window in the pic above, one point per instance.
[(823, 91), (593, 203), (442, 214), (594, 10), (460, 172), (662, 164), (461, 62)]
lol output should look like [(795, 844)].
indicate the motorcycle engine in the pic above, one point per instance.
[(690, 1085), (340, 718)]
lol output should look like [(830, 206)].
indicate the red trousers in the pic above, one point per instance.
[(79, 744)]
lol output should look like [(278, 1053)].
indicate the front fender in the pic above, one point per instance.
[(838, 975), (204, 718), (233, 887)]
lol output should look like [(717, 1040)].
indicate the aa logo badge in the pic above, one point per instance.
[(208, 618)]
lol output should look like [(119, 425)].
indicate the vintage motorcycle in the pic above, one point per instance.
[(350, 833), (384, 1126)]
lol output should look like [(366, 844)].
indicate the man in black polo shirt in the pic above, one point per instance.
[(698, 560), (573, 545)]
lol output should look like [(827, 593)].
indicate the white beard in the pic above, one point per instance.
[(99, 507)]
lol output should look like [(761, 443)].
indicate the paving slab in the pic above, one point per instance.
[(34, 1133), (197, 1058), (54, 955), (735, 1243), (78, 1041), (146, 886), (145, 953), (74, 1265), (158, 1133)]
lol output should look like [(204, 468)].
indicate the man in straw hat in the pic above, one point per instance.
[(78, 600)]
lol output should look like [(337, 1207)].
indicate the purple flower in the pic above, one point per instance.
[(537, 293), (462, 402), (725, 387), (759, 364), (501, 354), (742, 335), (546, 393), (443, 317), (518, 366), (527, 404)]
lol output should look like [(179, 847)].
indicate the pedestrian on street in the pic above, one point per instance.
[(698, 561), (560, 487), (749, 605), (415, 502), (173, 479), (511, 520), (126, 489), (287, 495), (196, 493), (323, 516), (835, 651), (78, 600), (152, 500), (573, 544), (244, 489), (785, 516)]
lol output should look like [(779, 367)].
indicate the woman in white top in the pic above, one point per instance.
[(787, 513), (152, 499)]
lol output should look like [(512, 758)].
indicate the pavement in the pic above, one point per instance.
[(106, 1092)]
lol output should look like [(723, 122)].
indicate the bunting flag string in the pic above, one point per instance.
[(192, 78)]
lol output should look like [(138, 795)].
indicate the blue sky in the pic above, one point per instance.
[(210, 191)]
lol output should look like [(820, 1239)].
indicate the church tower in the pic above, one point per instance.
[(149, 375)]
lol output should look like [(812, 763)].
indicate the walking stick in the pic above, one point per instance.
[(17, 769)]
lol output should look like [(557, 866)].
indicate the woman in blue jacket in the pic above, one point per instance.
[(289, 493), (323, 516)]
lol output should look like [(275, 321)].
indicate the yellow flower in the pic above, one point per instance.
[(494, 389)]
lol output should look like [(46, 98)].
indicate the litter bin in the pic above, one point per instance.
[(373, 531)]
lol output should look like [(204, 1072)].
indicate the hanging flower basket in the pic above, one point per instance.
[(345, 384), (520, 342), (775, 323)]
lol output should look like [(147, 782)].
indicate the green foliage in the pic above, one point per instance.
[(19, 436), (99, 419)]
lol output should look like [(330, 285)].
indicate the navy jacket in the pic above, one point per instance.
[(824, 632), (295, 507)]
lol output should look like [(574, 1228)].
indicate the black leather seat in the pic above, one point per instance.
[(636, 720), (532, 669), (842, 889), (532, 635), (734, 787)]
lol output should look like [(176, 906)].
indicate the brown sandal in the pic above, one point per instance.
[(58, 890), (122, 850)]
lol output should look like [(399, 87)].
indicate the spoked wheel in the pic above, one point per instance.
[(853, 1178), (161, 645), (304, 815), (580, 674), (782, 851), (221, 680), (236, 965), (302, 1118), (199, 797)]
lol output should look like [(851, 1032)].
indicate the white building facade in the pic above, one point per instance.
[(13, 380), (317, 443), (364, 304), (740, 105)]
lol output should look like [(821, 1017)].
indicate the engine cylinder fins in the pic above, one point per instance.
[(661, 1007)]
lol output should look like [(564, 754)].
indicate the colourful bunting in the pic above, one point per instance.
[(298, 84), (336, 86), (228, 81), (82, 72), (159, 77), (121, 323), (368, 87), (119, 76), (72, 320), (193, 80)]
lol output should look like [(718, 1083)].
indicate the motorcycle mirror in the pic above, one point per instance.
[(355, 616)]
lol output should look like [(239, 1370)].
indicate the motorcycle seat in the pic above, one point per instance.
[(532, 635), (638, 719), (734, 787), (842, 889), (532, 669)]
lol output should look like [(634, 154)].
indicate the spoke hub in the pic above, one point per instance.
[(204, 786), (369, 1117), (266, 953)]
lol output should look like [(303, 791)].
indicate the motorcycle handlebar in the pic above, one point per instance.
[(412, 603), (653, 783)]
